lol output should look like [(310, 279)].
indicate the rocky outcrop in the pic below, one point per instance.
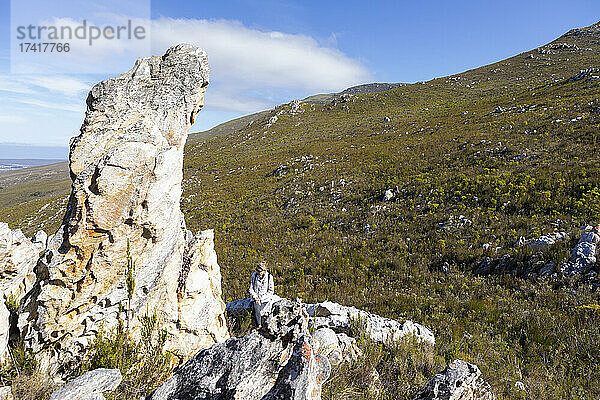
[(276, 362), (583, 256), (332, 325), (89, 386), (18, 257), (339, 318), (459, 381), (123, 219), (380, 329)]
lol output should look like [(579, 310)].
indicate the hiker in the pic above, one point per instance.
[(261, 291)]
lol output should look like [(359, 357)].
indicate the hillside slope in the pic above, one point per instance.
[(471, 163)]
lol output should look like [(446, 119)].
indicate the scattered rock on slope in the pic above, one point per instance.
[(380, 329), (459, 381), (276, 362), (126, 167), (583, 256)]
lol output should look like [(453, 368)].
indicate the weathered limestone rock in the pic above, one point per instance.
[(276, 362), (40, 238), (326, 343), (200, 307), (459, 381), (18, 257), (583, 256), (380, 329), (89, 386), (332, 323), (6, 393), (123, 212)]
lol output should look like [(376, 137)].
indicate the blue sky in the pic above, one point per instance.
[(263, 53)]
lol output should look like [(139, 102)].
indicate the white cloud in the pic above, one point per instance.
[(66, 85), (251, 58), (251, 70), (14, 86), (50, 92), (12, 119), (71, 107), (30, 84), (228, 99), (241, 59)]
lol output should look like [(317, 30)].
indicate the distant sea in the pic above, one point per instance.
[(10, 165)]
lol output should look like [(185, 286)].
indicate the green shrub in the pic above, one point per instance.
[(394, 371), (144, 364)]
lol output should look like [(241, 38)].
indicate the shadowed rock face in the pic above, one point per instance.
[(277, 362), (126, 167)]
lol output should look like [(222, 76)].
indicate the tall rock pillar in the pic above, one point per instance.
[(124, 217)]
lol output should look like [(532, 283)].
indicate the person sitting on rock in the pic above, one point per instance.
[(262, 291)]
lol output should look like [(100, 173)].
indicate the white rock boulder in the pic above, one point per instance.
[(583, 256), (459, 381), (380, 329), (18, 257), (89, 386)]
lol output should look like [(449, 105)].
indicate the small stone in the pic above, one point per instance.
[(388, 195), (520, 385)]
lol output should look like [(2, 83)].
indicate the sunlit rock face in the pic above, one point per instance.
[(18, 257), (124, 215)]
